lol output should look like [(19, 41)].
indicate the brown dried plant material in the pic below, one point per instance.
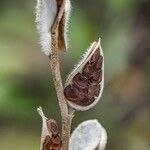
[(60, 24), (84, 85), (50, 137), (52, 143)]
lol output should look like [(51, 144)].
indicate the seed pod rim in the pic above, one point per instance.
[(86, 57)]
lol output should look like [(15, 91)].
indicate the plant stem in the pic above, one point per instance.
[(66, 118), (66, 114)]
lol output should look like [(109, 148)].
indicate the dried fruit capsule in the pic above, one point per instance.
[(84, 85), (52, 14), (50, 137)]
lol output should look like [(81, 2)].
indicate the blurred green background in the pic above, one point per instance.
[(26, 82)]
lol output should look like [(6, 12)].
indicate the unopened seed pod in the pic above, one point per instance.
[(84, 85), (50, 137), (89, 135)]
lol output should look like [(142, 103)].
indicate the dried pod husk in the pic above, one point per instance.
[(50, 137), (50, 13), (89, 135), (84, 85), (61, 30)]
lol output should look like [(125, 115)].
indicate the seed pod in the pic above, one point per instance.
[(51, 13), (61, 31), (84, 85), (89, 135), (50, 137)]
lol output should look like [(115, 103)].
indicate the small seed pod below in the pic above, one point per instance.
[(50, 137), (89, 135), (84, 85)]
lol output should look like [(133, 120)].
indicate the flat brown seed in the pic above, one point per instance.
[(99, 63), (91, 90), (95, 56), (80, 93), (87, 101), (88, 70), (52, 126), (80, 81), (47, 144), (97, 76), (56, 143), (70, 93)]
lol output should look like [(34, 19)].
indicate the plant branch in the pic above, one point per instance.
[(66, 114)]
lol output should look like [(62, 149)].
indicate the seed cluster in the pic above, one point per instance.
[(85, 86), (54, 142)]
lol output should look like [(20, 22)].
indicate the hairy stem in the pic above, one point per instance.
[(66, 118)]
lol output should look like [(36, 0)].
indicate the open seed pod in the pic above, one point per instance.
[(50, 137), (61, 30), (50, 13), (84, 85)]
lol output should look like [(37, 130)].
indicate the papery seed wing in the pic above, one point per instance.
[(84, 85)]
